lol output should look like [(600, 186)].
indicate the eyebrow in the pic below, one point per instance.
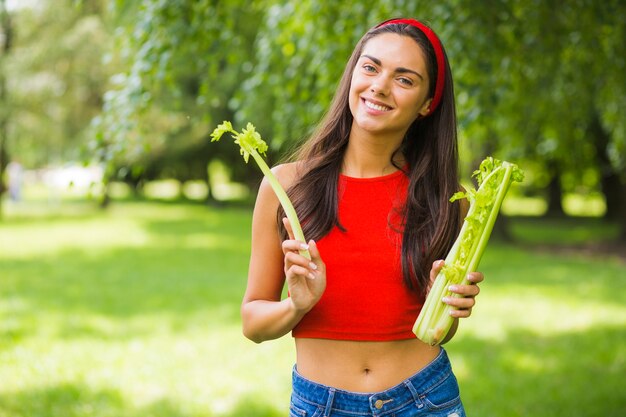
[(399, 69)]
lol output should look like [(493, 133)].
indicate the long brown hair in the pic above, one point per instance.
[(431, 222)]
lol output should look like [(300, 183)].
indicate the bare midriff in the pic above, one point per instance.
[(362, 366)]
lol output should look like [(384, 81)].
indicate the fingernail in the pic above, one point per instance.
[(304, 246), (311, 275), (312, 265), (453, 288), (446, 299)]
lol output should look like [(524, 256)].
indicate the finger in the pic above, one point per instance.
[(465, 290), (294, 258), (287, 224), (297, 271), (316, 260), (460, 313), (293, 246), (304, 266), (434, 271), (462, 303), (475, 277)]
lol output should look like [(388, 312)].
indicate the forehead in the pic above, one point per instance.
[(396, 50)]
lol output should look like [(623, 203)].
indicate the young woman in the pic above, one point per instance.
[(371, 188)]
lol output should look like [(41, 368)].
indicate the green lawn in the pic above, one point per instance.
[(135, 313)]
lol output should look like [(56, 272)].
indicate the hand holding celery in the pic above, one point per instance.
[(251, 143), (494, 178)]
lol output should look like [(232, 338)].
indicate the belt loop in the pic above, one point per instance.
[(416, 396), (329, 402)]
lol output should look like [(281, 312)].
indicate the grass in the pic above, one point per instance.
[(135, 312)]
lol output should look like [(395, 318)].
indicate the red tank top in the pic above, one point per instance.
[(365, 297)]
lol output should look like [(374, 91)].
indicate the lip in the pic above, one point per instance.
[(377, 103)]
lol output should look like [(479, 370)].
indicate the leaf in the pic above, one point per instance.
[(250, 141), (219, 131)]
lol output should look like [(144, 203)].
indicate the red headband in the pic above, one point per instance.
[(434, 41)]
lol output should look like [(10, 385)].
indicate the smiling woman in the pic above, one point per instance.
[(371, 189), (388, 91)]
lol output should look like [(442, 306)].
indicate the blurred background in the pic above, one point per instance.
[(124, 232)]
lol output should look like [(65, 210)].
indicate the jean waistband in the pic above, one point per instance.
[(376, 403)]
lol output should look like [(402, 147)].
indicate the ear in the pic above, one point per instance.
[(425, 107)]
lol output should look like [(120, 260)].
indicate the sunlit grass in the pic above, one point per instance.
[(545, 328), (135, 312)]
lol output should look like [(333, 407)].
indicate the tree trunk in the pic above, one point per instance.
[(555, 192), (210, 200), (612, 186), (105, 199), (622, 215), (6, 38), (613, 191), (501, 230)]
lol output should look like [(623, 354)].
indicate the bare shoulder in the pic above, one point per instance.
[(287, 173)]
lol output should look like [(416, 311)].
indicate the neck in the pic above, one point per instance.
[(369, 155)]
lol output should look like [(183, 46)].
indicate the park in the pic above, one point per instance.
[(125, 240)]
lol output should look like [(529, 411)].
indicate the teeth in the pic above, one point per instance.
[(376, 106)]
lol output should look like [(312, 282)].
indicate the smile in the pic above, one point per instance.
[(374, 106)]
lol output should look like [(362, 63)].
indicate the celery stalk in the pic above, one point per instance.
[(494, 179), (251, 144)]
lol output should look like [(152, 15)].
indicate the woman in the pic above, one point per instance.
[(371, 188)]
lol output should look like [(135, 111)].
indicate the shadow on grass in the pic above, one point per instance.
[(76, 401), (70, 400)]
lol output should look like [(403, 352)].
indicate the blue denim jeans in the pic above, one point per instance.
[(433, 391)]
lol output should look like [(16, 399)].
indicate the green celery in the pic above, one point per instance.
[(251, 144), (494, 179)]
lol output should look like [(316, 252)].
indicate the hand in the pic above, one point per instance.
[(306, 279), (463, 304)]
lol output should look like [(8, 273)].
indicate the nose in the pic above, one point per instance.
[(380, 86)]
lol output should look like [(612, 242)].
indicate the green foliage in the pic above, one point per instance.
[(183, 61), (56, 78), (530, 79), (521, 90)]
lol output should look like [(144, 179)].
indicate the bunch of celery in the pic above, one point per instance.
[(494, 178), (250, 143)]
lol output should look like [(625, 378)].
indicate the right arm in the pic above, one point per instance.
[(264, 315)]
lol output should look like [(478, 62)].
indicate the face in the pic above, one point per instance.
[(389, 87)]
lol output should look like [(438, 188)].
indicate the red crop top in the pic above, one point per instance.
[(365, 297)]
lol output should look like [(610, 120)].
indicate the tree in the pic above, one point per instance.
[(184, 62), (58, 76), (529, 76), (6, 42)]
